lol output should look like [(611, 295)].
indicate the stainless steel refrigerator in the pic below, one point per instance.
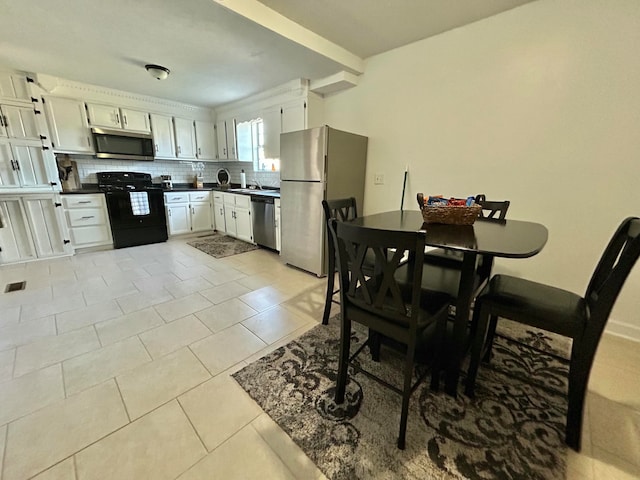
[(316, 164)]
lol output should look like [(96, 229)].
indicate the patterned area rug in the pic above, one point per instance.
[(513, 429), (220, 246)]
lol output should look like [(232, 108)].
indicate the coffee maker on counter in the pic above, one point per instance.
[(167, 184)]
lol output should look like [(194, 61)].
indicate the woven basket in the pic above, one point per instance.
[(451, 215)]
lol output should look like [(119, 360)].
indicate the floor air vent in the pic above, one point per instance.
[(14, 287)]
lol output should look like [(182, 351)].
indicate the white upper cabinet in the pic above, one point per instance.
[(205, 140), (163, 136), (293, 117), (109, 116), (135, 120), (272, 129), (185, 138), (103, 116), (226, 135), (14, 86), (307, 112), (68, 125), (19, 122), (221, 137)]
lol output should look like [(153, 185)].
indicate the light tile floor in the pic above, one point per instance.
[(116, 364)]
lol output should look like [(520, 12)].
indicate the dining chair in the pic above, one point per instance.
[(562, 312), (342, 209), (405, 314)]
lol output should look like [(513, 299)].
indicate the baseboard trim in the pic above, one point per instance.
[(622, 329)]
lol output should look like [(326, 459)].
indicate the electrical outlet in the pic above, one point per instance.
[(378, 179)]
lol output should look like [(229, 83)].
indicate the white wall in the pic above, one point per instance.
[(539, 105)]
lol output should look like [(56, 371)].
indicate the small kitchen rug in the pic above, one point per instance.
[(511, 430), (220, 246)]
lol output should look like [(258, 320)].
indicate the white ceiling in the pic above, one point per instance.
[(215, 54)]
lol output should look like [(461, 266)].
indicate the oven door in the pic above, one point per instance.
[(137, 218)]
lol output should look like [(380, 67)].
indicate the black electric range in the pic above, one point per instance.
[(136, 208)]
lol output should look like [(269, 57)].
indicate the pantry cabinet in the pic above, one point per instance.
[(68, 125), (26, 164), (32, 227), (19, 122), (15, 237), (14, 86)]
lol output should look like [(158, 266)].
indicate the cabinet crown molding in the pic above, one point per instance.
[(96, 94), (281, 94)]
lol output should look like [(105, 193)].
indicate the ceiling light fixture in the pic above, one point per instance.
[(157, 71)]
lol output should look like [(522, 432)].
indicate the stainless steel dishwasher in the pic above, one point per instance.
[(264, 221)]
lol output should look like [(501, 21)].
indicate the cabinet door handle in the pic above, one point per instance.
[(175, 198), (193, 211), (224, 152), (87, 217), (169, 212), (88, 141), (1, 121), (17, 165), (6, 122), (85, 201), (124, 118), (117, 119), (199, 151), (179, 149), (156, 148), (13, 167)]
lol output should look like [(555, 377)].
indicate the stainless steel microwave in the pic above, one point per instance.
[(123, 145)]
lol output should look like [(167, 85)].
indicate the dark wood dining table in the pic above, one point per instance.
[(487, 237)]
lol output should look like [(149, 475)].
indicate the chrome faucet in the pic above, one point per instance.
[(257, 183)]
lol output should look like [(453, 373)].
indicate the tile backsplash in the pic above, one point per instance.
[(181, 171)]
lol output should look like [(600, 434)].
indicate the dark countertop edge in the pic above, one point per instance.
[(88, 188)]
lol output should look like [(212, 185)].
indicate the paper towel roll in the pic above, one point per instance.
[(243, 180)]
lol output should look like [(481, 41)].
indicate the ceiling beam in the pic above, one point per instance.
[(268, 18)]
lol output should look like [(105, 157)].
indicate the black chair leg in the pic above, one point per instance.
[(374, 345), (406, 395), (491, 333), (481, 320), (343, 360), (331, 277), (578, 381), (436, 367)]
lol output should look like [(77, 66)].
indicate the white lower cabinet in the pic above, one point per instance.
[(237, 216), (188, 212), (218, 212), (87, 219), (32, 226), (178, 218), (276, 203)]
